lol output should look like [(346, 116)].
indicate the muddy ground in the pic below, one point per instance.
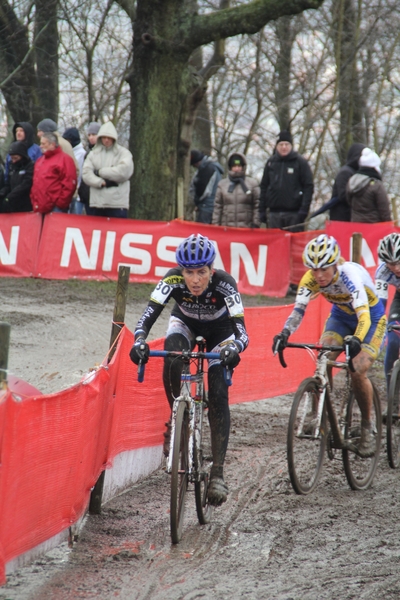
[(264, 543)]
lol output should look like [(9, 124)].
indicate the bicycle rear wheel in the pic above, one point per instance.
[(202, 468), (360, 471), (179, 472), (306, 438), (393, 418)]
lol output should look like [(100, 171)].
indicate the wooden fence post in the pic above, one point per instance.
[(4, 349), (118, 322), (356, 247)]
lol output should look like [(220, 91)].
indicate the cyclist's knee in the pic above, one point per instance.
[(176, 341)]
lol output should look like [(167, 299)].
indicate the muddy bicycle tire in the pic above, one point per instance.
[(393, 418), (202, 475), (306, 442), (360, 471), (179, 472)]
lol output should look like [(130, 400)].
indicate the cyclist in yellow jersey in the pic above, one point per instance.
[(357, 315)]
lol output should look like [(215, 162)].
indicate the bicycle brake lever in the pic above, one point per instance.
[(348, 359), (228, 376), (281, 359), (141, 368)]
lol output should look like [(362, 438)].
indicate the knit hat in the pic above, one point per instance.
[(369, 158), (236, 160), (72, 135), (195, 157), (47, 126), (93, 128), (284, 136), (18, 148)]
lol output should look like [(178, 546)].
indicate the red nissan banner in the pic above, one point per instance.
[(95, 247), (19, 242), (371, 234)]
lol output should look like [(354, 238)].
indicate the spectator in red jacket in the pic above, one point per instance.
[(54, 178)]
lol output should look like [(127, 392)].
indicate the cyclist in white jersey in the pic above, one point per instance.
[(388, 273), (357, 315)]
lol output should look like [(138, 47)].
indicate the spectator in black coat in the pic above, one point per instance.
[(286, 187), (15, 195)]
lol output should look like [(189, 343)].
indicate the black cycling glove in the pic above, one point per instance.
[(229, 355), (354, 345), (280, 340), (140, 351)]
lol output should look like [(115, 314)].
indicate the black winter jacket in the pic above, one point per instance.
[(287, 185), (15, 195)]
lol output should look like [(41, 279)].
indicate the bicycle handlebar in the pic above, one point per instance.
[(320, 347), (393, 327), (184, 354)]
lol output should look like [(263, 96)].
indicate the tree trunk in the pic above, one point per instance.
[(165, 35), (46, 51)]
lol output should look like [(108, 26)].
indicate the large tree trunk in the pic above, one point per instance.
[(29, 71), (165, 35)]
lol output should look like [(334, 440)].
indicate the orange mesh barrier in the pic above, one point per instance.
[(53, 448)]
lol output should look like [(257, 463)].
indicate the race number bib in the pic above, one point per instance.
[(161, 293), (234, 304)]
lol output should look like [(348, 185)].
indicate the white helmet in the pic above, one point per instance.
[(389, 248), (323, 251)]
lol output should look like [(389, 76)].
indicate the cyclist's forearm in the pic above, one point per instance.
[(147, 320), (295, 318), (364, 323)]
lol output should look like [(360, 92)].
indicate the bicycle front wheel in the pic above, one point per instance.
[(393, 419), (179, 472), (360, 471), (306, 438), (202, 474)]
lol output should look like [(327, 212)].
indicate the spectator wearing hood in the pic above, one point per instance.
[(286, 187), (72, 135), (15, 195), (339, 209), (237, 198), (54, 178), (107, 170), (366, 193), (203, 186), (50, 126), (24, 132)]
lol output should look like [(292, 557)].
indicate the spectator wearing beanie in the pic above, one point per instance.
[(50, 126), (204, 184), (237, 198), (286, 187), (366, 193), (84, 190), (72, 135), (24, 132), (15, 195)]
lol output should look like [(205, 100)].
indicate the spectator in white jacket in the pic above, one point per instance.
[(107, 170)]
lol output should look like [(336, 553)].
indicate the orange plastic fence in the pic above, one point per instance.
[(54, 447)]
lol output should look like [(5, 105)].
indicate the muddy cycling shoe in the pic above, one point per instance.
[(217, 492), (367, 446), (167, 438)]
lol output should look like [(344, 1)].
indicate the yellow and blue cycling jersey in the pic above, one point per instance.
[(355, 302)]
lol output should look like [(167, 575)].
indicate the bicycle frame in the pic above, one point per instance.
[(323, 362)]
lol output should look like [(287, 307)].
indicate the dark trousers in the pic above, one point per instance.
[(282, 220)]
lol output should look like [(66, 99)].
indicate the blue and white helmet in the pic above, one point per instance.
[(195, 252)]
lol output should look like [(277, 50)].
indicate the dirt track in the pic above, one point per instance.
[(264, 543)]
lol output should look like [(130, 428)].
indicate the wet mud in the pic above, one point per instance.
[(264, 543)]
